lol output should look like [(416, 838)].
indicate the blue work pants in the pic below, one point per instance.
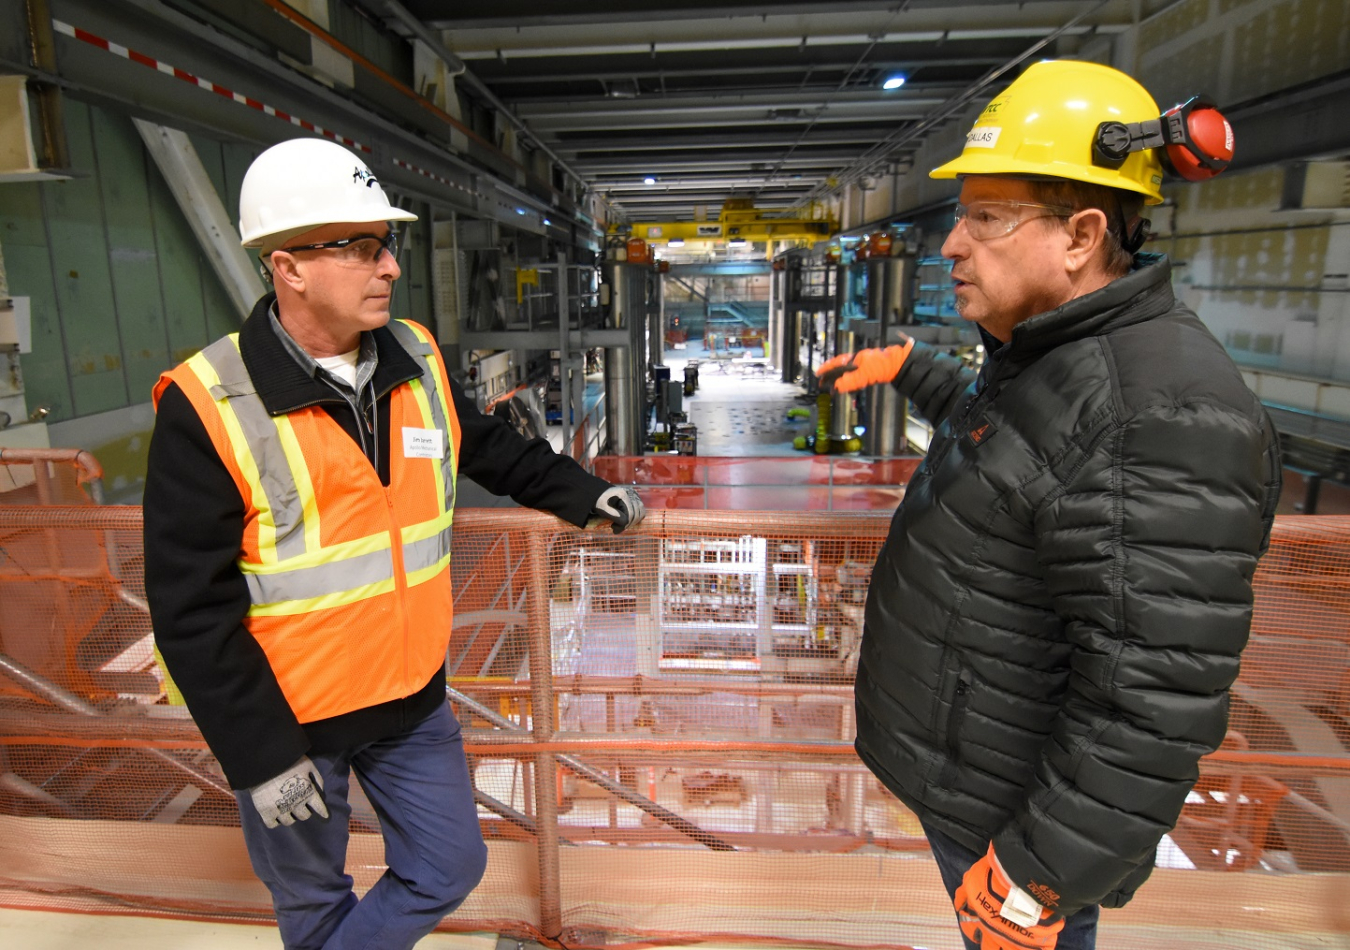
[(954, 860), (418, 783)]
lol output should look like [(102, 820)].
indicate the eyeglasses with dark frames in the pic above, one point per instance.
[(360, 249)]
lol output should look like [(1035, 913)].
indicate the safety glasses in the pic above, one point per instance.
[(362, 249), (987, 220)]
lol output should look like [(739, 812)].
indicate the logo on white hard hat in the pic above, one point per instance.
[(364, 175)]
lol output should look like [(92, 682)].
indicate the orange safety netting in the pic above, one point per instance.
[(793, 483), (659, 725)]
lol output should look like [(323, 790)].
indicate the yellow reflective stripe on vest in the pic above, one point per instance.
[(426, 549), (275, 470), (339, 574), (433, 401), (309, 505)]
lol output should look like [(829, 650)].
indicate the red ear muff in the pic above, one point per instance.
[(1195, 139), (1206, 140)]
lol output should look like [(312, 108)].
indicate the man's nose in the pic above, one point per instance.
[(388, 268), (957, 243)]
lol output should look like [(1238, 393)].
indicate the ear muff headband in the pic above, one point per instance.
[(1195, 139)]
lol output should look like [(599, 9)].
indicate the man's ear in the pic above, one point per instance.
[(286, 270), (1087, 234)]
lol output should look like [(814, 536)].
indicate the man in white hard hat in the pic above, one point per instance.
[(1056, 617), (298, 512)]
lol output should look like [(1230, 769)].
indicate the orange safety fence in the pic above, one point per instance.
[(659, 726), (793, 483), (50, 477)]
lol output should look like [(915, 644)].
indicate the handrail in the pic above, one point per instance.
[(89, 471)]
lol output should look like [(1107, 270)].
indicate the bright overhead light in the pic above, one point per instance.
[(675, 242), (894, 82), (547, 221), (520, 211), (649, 180), (738, 242)]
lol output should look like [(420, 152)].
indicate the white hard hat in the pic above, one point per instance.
[(299, 185)]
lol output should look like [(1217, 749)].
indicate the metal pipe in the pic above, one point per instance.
[(599, 778), (43, 688), (47, 95), (519, 819), (541, 725)]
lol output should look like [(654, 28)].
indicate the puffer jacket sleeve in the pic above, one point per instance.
[(933, 381), (1148, 549)]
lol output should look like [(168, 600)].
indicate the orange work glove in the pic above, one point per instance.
[(979, 909), (849, 371)]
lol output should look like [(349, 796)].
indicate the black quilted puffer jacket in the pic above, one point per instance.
[(1056, 617)]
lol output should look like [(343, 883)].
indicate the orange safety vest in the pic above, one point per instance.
[(349, 580)]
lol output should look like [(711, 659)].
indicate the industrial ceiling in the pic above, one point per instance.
[(668, 108)]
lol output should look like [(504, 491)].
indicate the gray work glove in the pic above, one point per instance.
[(290, 796), (621, 506)]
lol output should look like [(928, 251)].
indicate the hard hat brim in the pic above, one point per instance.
[(359, 214), (994, 164)]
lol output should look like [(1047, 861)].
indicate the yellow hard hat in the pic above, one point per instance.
[(1045, 123)]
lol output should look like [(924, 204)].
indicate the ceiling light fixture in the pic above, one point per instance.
[(675, 242), (894, 82), (649, 180)]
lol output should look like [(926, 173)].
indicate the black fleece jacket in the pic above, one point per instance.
[(194, 521), (1056, 617)]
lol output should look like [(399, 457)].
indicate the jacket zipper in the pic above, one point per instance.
[(959, 703), (400, 577)]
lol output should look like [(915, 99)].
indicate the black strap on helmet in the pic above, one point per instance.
[(1116, 141)]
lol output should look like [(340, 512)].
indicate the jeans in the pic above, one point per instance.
[(418, 783), (954, 860)]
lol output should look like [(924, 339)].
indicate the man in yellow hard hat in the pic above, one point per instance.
[(1056, 617)]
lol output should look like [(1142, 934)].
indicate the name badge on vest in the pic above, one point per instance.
[(423, 443)]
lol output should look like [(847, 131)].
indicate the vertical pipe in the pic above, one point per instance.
[(564, 356), (622, 419), (541, 722), (610, 722), (461, 319)]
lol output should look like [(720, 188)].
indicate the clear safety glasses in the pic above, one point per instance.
[(362, 249), (986, 220)]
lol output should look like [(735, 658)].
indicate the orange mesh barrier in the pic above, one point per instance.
[(659, 725), (797, 483), (50, 477)]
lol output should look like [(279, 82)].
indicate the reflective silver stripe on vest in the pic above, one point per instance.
[(274, 469), (423, 554), (415, 347), (322, 579)]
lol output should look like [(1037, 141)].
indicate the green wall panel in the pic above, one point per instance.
[(180, 274), (221, 316), (236, 159), (99, 391), (46, 379), (21, 215), (123, 174), (84, 292), (209, 153)]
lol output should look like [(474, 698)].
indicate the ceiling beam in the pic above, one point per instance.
[(518, 74), (589, 47), (907, 98)]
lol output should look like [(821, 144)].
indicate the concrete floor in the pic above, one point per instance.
[(40, 930)]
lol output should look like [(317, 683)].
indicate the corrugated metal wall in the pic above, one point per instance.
[(120, 289)]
